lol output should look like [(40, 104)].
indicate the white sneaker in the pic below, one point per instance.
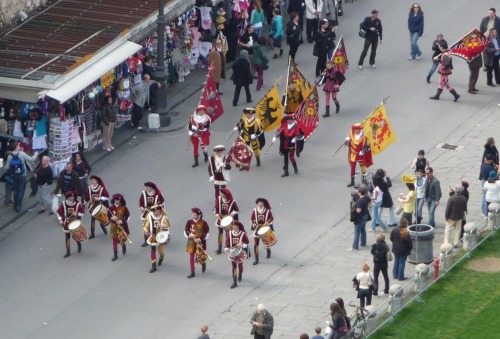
[(370, 230), (360, 67), (410, 58), (112, 148), (374, 66), (418, 57), (139, 127), (108, 149), (352, 249)]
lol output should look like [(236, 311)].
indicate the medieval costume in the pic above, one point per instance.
[(96, 196), (218, 169), (199, 132), (150, 197), (69, 211), (445, 69), (119, 215), (225, 206), (331, 79), (293, 98), (359, 152), (291, 142), (196, 231), (156, 222), (251, 131), (261, 216), (236, 242)]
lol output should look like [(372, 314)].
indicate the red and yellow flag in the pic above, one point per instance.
[(269, 109), (470, 45), (306, 114), (210, 97), (378, 130), (295, 75), (240, 153), (339, 57)]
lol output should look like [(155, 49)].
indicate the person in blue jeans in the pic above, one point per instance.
[(377, 203), (432, 193), (416, 28), (439, 42), (359, 216), (401, 247)]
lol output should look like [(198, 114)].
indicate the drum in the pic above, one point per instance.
[(237, 254), (267, 236), (163, 237), (226, 222), (100, 213), (78, 231)]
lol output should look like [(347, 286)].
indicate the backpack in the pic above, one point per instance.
[(16, 165)]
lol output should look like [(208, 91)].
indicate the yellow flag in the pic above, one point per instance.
[(269, 109), (294, 74), (379, 130)]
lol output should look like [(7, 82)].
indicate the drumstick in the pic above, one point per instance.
[(203, 250), (121, 228)]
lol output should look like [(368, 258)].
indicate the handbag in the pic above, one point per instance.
[(388, 255), (399, 209), (371, 284), (316, 50)]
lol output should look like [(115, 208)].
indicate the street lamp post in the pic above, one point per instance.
[(160, 75)]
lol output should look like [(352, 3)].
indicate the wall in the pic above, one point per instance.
[(14, 11)]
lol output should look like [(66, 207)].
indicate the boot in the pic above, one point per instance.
[(285, 173), (160, 261), (92, 236), (191, 275), (203, 268), (281, 51), (295, 169), (79, 246), (455, 94), (428, 79), (115, 256), (144, 244), (219, 250), (195, 162), (258, 161), (153, 268), (256, 261), (240, 275), (327, 112), (205, 156), (419, 220), (352, 182), (438, 93), (124, 249), (268, 253), (67, 254), (337, 107), (234, 283), (104, 229)]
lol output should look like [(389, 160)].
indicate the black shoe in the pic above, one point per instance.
[(475, 90), (66, 255), (144, 244), (91, 236), (275, 56), (203, 268), (281, 52), (51, 212), (310, 40), (256, 261), (268, 253), (40, 211), (218, 251), (79, 247), (191, 275), (124, 249), (115, 257), (491, 85), (234, 284), (220, 93), (235, 104), (249, 101), (153, 268), (240, 276), (160, 261), (428, 79)]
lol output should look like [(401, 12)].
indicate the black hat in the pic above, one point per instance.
[(265, 202)]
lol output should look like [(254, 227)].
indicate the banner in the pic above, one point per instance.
[(306, 114), (294, 74), (211, 99), (241, 154), (470, 45), (269, 109), (378, 130), (339, 57)]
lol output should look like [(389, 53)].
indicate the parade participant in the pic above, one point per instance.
[(331, 82), (70, 210), (150, 197), (359, 152), (218, 169), (291, 142), (119, 215), (225, 206), (445, 68), (251, 131), (234, 239), (196, 231), (199, 132), (156, 221), (293, 98), (261, 216), (95, 195)]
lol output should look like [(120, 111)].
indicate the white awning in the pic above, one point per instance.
[(22, 94), (94, 72)]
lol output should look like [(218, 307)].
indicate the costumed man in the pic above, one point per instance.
[(251, 131), (69, 211), (199, 132), (293, 98), (95, 196), (331, 79), (218, 169), (119, 215), (225, 206), (156, 221), (291, 142), (359, 152), (261, 216), (236, 239), (150, 197), (196, 232)]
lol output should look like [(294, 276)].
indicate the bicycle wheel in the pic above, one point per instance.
[(358, 331)]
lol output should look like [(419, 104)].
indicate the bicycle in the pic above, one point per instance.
[(358, 321)]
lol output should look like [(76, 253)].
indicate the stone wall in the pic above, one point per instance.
[(16, 11)]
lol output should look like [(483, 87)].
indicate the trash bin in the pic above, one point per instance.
[(421, 236)]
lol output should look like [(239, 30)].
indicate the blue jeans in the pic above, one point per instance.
[(390, 219), (433, 69), (18, 187), (360, 232), (258, 31), (415, 51), (398, 270), (431, 207), (420, 205), (376, 217)]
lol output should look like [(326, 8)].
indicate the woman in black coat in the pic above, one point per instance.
[(325, 41), (293, 32), (380, 264), (490, 148), (401, 247), (242, 77)]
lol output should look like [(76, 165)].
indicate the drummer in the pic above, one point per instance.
[(196, 231), (225, 206), (70, 210), (236, 239), (119, 215), (156, 221), (151, 196), (261, 216), (96, 195)]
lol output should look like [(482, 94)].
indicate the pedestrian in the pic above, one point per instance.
[(261, 217), (260, 60), (196, 232), (445, 69), (236, 246), (416, 28), (251, 131), (338, 324), (150, 196), (365, 281), (199, 129), (218, 169), (6, 178), (119, 215), (474, 67), (373, 28), (293, 96), (291, 142), (490, 21), (318, 335), (70, 210), (96, 196), (484, 172), (437, 45), (276, 33), (377, 203), (359, 217), (465, 193), (304, 336), (297, 6), (204, 334), (108, 118), (491, 55), (456, 208), (384, 182), (340, 302), (83, 169), (420, 193), (68, 181), (16, 164), (491, 148), (313, 11), (258, 18), (293, 34), (409, 203), (246, 42), (420, 162), (140, 96), (225, 206), (432, 194), (380, 264), (242, 77), (44, 178), (217, 59), (270, 10), (359, 152), (331, 80), (401, 247), (262, 323), (324, 42), (491, 189)]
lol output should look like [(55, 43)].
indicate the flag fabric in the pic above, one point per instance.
[(269, 109), (306, 114), (295, 75), (378, 130), (339, 57), (210, 98), (470, 45), (240, 153)]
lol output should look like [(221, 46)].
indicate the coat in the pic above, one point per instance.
[(400, 246), (268, 324), (241, 72), (259, 54), (489, 53), (219, 64)]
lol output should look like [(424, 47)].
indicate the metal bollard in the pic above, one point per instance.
[(493, 215), (371, 319), (396, 297), (421, 275), (470, 236), (443, 257)]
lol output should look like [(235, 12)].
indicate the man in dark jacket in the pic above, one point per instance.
[(68, 181), (486, 167), (373, 28), (490, 21), (262, 322), (491, 56), (432, 194), (455, 212), (242, 77)]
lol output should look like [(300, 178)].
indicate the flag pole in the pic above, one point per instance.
[(338, 149), (286, 84), (383, 102), (456, 42), (336, 47)]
